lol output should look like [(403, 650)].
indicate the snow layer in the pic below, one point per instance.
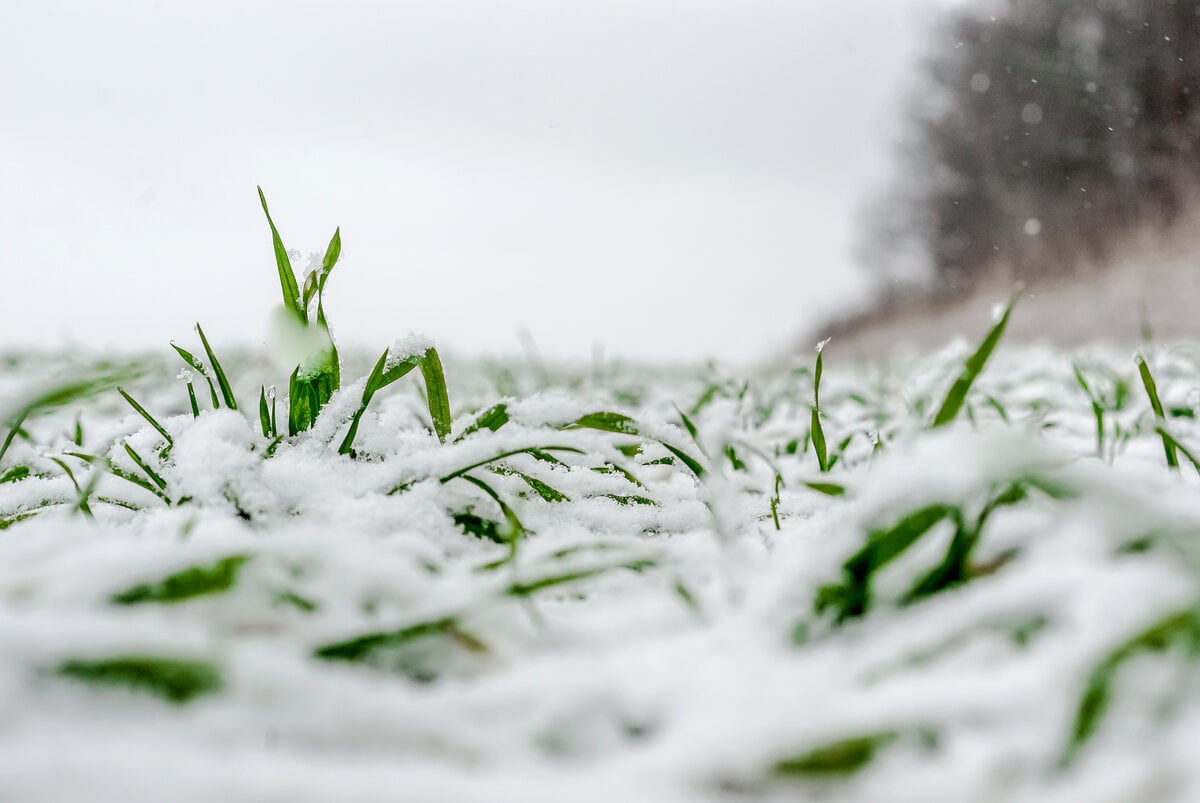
[(656, 641)]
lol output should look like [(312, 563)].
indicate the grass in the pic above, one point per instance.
[(495, 530)]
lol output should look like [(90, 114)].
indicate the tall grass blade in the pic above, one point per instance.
[(226, 390), (1097, 408), (287, 276), (818, 430), (144, 414), (199, 367), (973, 367), (436, 393), (1156, 404), (264, 413)]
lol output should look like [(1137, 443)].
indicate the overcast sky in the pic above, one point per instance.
[(665, 179)]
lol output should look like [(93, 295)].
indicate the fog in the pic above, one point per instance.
[(663, 180)]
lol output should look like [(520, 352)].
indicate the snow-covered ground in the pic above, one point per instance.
[(1004, 608)]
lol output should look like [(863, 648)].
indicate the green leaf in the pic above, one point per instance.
[(175, 680), (149, 418), (332, 253), (264, 413), (226, 390), (14, 474), (287, 277), (198, 366), (827, 488), (528, 589), (514, 532), (818, 430), (842, 757), (1179, 630), (492, 419), (59, 395), (420, 651), (1156, 404), (194, 581), (1170, 439), (973, 367), (547, 492), (531, 450), (479, 527), (435, 391), (606, 422), (145, 467), (384, 374), (191, 392), (853, 599), (302, 404)]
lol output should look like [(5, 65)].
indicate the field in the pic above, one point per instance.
[(968, 577)]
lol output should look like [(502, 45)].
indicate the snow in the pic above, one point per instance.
[(413, 345), (683, 662)]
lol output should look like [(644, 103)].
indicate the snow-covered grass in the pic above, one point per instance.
[(972, 577)]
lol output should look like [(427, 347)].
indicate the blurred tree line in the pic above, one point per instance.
[(1044, 132)]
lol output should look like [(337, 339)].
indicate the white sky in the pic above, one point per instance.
[(665, 179)]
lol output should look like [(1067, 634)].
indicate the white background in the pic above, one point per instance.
[(667, 180)]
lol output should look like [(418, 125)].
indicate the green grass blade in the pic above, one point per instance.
[(1168, 438), (302, 404), (817, 428), (332, 253), (144, 414), (528, 589), (226, 390), (1097, 408), (1180, 629), (122, 474), (542, 489), (606, 422), (177, 681), (374, 382), (1156, 404), (287, 277), (191, 392), (198, 366), (523, 450), (973, 367), (624, 425), (435, 391), (834, 759), (15, 474), (264, 413), (827, 488), (194, 581), (491, 419), (515, 530), (145, 467), (84, 492)]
